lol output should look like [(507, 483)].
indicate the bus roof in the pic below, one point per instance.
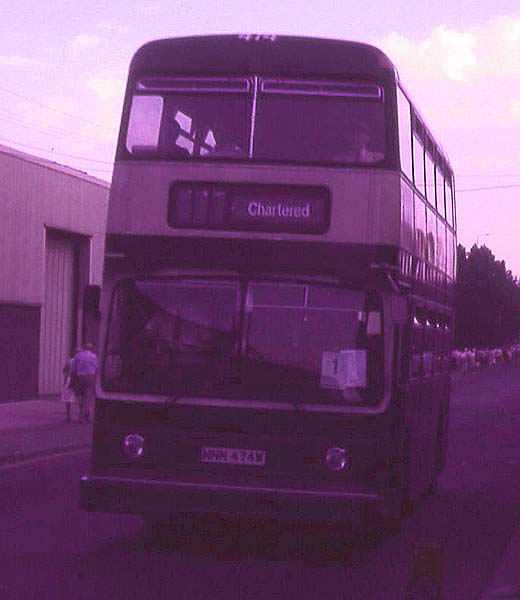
[(262, 54)]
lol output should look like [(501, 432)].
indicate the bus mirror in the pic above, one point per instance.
[(374, 323), (90, 321)]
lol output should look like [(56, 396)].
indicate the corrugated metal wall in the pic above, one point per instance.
[(57, 316), (36, 196)]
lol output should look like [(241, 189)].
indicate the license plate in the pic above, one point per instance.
[(233, 456)]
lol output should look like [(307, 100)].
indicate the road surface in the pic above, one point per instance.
[(51, 550)]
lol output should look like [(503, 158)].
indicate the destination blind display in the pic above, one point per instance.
[(292, 209)]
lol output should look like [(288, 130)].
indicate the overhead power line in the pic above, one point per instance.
[(485, 175), (491, 187), (61, 112), (51, 131), (93, 160)]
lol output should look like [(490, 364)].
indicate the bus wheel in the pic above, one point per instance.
[(434, 485), (387, 517), (406, 487), (436, 467), (439, 458)]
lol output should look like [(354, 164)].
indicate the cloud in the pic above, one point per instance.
[(499, 47), (59, 106), (109, 93), (84, 40), (491, 50), (446, 54), (112, 27), (64, 104), (106, 87), (20, 61), (465, 82), (150, 7), (451, 53), (514, 109)]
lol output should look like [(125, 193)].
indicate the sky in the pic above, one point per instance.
[(63, 67)]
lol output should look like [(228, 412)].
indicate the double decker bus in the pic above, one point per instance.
[(277, 302)]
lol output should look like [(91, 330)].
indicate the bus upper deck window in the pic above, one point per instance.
[(144, 124), (341, 122)]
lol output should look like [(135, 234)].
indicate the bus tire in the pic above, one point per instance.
[(404, 504), (386, 518), (442, 439), (434, 485), (439, 458), (407, 504)]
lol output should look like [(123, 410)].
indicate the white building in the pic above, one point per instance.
[(52, 230)]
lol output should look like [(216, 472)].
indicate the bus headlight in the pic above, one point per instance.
[(133, 445), (336, 459)]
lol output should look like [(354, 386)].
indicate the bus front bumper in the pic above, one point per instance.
[(285, 504)]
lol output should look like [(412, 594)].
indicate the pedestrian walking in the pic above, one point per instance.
[(83, 372), (68, 395)]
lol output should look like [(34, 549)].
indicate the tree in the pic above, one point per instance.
[(487, 300)]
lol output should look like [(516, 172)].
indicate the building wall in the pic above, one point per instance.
[(59, 310), (37, 196), (19, 345)]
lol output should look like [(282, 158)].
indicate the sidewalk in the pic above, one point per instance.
[(33, 428)]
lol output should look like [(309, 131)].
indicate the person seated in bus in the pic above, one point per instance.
[(175, 149), (150, 349), (169, 141), (360, 146)]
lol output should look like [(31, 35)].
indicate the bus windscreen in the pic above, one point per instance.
[(254, 340)]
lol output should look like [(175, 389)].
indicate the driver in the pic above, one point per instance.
[(361, 145)]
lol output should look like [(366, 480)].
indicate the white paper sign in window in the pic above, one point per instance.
[(343, 369), (353, 368), (184, 138), (329, 370)]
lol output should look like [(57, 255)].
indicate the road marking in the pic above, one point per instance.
[(42, 458)]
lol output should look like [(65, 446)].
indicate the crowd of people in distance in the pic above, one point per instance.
[(471, 359)]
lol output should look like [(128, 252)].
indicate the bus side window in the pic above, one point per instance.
[(418, 165), (430, 180), (439, 183), (405, 134), (450, 207)]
